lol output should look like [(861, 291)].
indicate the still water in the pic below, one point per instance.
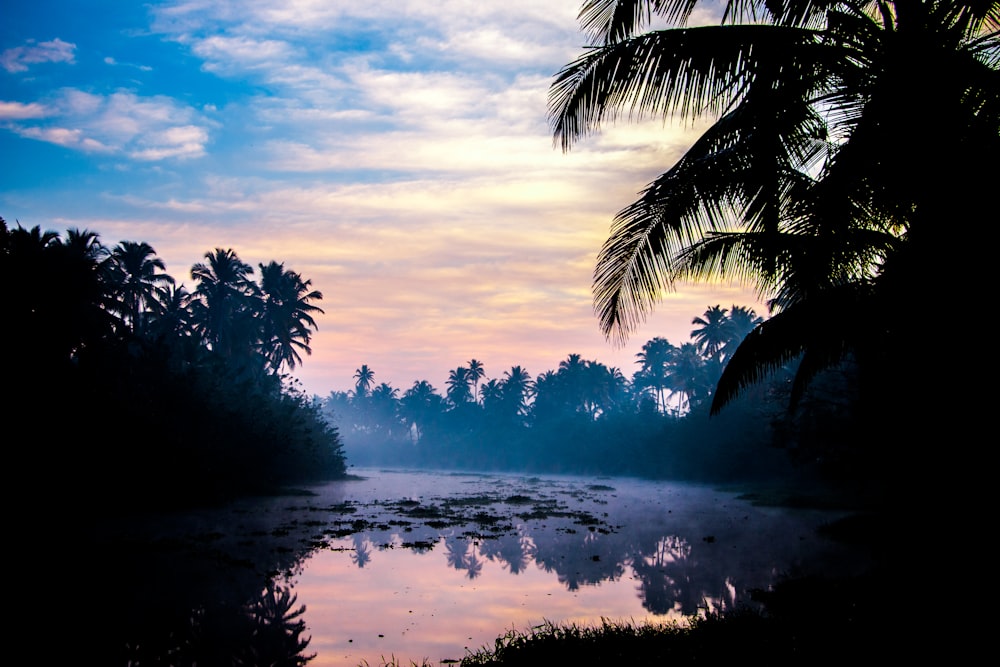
[(408, 566), (403, 567)]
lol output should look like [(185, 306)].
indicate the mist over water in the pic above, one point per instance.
[(441, 564)]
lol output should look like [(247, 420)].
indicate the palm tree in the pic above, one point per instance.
[(53, 295), (816, 181), (476, 373), (712, 333), (363, 379), (458, 391), (138, 277), (172, 324), (739, 323), (516, 390), (687, 377), (287, 315), (492, 394), (419, 406), (654, 359), (225, 302)]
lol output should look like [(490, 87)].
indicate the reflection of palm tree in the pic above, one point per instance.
[(512, 551), (663, 584), (362, 553), (455, 551), (277, 636)]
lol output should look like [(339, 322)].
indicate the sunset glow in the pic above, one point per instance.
[(397, 156)]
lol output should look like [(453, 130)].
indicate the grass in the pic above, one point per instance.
[(802, 622), (805, 621)]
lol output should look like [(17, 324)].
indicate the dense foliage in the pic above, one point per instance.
[(133, 393), (585, 417), (844, 171)]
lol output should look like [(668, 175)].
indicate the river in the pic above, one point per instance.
[(412, 566)]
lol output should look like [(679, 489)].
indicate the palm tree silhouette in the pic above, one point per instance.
[(516, 390), (224, 303), (713, 332), (287, 315), (655, 358), (810, 183), (476, 373), (363, 379), (139, 279), (458, 391)]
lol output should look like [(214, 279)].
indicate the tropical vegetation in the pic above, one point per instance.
[(133, 392), (844, 173), (587, 417)]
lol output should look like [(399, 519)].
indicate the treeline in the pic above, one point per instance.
[(131, 391), (586, 417)]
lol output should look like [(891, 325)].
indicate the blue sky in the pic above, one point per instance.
[(396, 153)]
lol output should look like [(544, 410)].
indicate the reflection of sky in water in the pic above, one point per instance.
[(427, 609), (651, 552)]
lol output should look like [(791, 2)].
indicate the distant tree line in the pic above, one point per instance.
[(132, 391), (586, 417)]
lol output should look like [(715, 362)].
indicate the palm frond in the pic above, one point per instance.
[(685, 71), (821, 330), (609, 21)]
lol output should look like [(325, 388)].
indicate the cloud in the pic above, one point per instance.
[(19, 58), (123, 123), (19, 111)]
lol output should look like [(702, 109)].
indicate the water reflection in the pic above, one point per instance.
[(416, 566), (460, 560)]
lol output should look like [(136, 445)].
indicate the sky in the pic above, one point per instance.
[(396, 153)]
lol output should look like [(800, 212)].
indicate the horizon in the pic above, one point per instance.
[(396, 155)]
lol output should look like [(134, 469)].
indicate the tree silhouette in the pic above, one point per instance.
[(139, 280), (655, 359), (712, 333), (458, 382), (363, 379), (287, 315), (476, 373), (224, 304), (811, 182)]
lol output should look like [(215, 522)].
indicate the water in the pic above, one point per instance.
[(408, 567), (442, 564)]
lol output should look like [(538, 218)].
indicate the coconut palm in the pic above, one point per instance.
[(739, 323), (139, 279), (819, 180), (225, 303), (363, 379), (287, 321), (712, 333), (654, 359), (476, 373), (458, 391), (516, 390), (687, 377), (419, 406)]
